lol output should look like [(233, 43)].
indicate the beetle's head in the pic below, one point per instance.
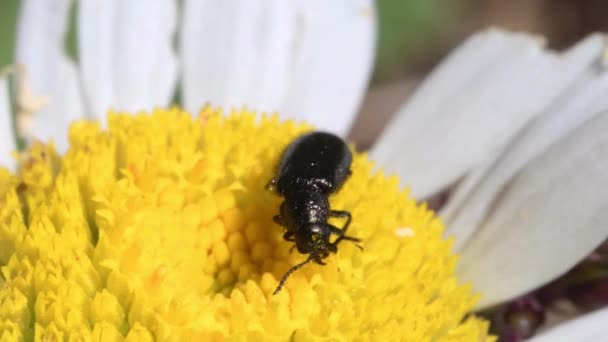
[(314, 239)]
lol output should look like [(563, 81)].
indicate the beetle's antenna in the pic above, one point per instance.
[(289, 272)]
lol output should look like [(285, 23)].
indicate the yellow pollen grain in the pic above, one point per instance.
[(159, 228), (404, 232)]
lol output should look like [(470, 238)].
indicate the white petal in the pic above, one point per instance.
[(461, 232), (306, 59), (587, 328), (333, 62), (474, 198), (235, 53), (126, 53), (40, 47), (550, 216), (95, 39), (7, 136), (474, 103)]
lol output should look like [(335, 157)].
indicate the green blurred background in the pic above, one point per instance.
[(8, 20)]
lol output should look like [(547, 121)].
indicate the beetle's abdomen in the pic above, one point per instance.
[(320, 160)]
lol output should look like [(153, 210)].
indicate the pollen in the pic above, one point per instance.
[(160, 228)]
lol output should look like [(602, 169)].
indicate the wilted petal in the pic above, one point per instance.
[(587, 328), (7, 137), (551, 215), (40, 47), (306, 59), (126, 53), (474, 103), (475, 197)]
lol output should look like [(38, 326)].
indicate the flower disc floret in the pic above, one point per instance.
[(159, 228)]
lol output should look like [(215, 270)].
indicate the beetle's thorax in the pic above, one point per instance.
[(305, 206)]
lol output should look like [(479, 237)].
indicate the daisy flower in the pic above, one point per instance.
[(153, 226)]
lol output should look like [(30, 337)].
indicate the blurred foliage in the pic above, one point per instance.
[(8, 25), (411, 29), (71, 37)]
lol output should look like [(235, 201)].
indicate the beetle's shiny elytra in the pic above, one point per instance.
[(312, 167)]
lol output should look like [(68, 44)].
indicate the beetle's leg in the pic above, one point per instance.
[(342, 213), (350, 238), (288, 236), (318, 260), (335, 230), (341, 236), (270, 185), (332, 248), (278, 219)]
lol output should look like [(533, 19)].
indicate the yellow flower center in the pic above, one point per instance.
[(160, 229)]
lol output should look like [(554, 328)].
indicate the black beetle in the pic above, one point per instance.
[(312, 167)]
